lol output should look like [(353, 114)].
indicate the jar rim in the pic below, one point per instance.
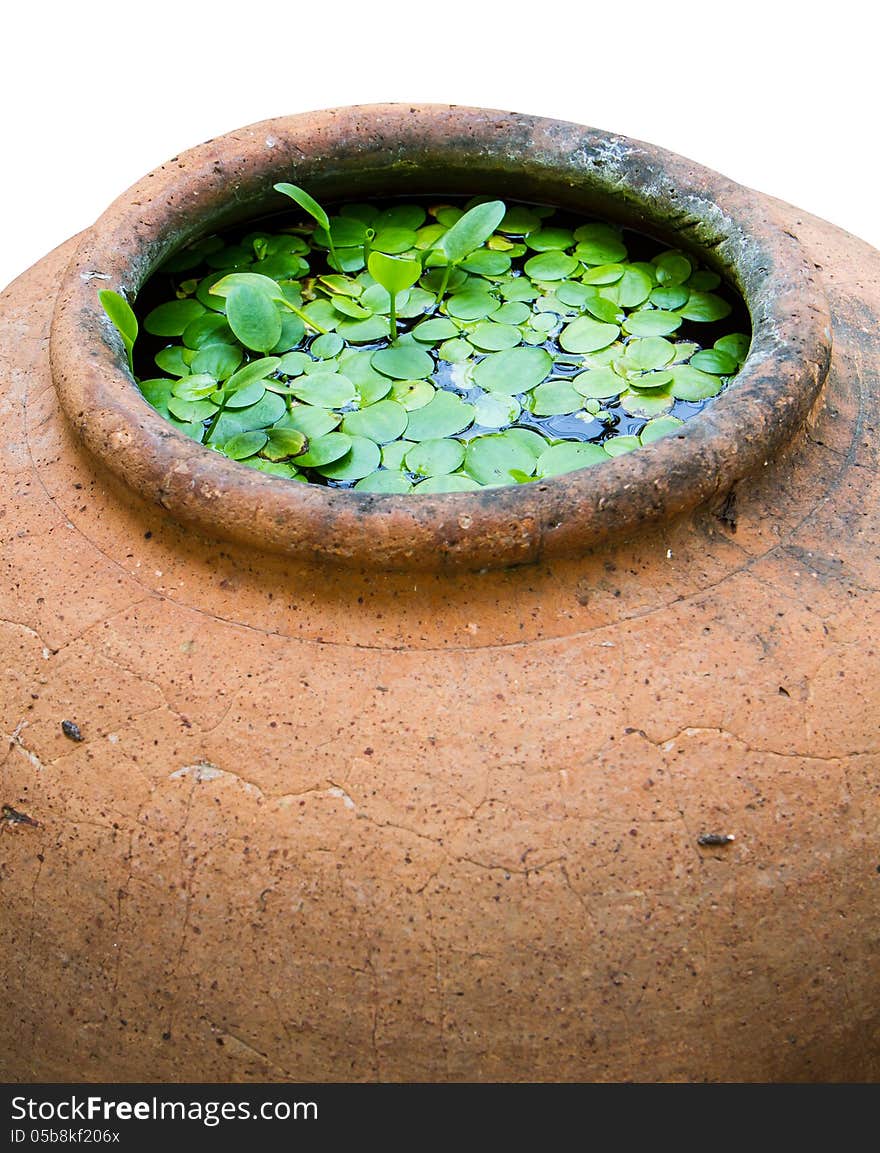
[(419, 149)]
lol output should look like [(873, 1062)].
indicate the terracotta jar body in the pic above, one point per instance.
[(414, 791)]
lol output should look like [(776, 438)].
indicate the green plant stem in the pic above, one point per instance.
[(299, 312), (214, 420), (392, 318), (336, 259), (444, 284)]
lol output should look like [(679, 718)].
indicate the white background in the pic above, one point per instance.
[(779, 96)]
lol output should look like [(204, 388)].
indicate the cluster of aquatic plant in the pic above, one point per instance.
[(400, 347)]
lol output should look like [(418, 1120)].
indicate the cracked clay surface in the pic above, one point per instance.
[(329, 825)]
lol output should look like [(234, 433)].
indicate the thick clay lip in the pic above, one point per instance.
[(398, 149)]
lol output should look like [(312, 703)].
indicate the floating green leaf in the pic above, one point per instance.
[(715, 361), (402, 362), (555, 398), (495, 410), (244, 445), (444, 415), (490, 459), (514, 370), (310, 420), (489, 336), (652, 322), (550, 266), (253, 317), (362, 458), (412, 394), (587, 335), (323, 450), (659, 427), (619, 445), (705, 306), (435, 457), (735, 345), (381, 422), (282, 443), (384, 480), (692, 384), (325, 389), (568, 456), (218, 360)]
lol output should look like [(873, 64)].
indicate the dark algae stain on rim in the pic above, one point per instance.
[(372, 152), (380, 353)]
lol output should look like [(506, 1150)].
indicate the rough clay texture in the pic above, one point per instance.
[(366, 826)]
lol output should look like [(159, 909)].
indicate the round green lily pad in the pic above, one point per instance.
[(325, 389), (455, 351), (512, 312), (362, 458), (380, 422), (586, 335), (490, 459), (218, 360), (244, 445), (394, 454), (200, 386), (652, 322), (555, 398), (175, 360), (619, 445), (191, 410), (435, 457), (736, 344), (403, 362), (715, 361), (173, 318), (647, 353), (495, 410), (472, 304), (692, 384), (436, 330), (568, 456), (327, 346), (311, 420), (247, 395), (323, 450), (550, 239), (672, 267), (489, 336), (659, 427), (530, 440), (705, 306), (550, 266), (412, 394), (651, 402), (384, 480), (282, 443), (514, 370), (599, 383), (444, 415)]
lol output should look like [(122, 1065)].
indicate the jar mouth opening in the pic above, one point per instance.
[(402, 150)]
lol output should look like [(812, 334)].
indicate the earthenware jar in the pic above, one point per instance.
[(573, 781)]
